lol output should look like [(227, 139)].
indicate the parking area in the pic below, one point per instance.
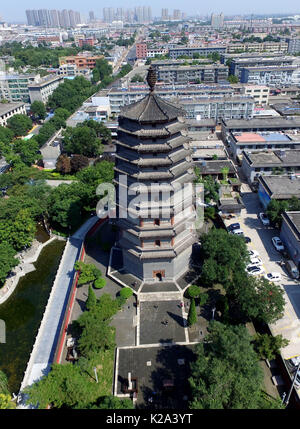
[(261, 236)]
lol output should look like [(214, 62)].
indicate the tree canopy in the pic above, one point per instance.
[(19, 124), (226, 374)]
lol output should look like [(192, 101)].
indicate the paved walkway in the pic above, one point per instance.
[(45, 345)]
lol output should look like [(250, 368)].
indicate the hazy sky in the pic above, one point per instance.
[(15, 10)]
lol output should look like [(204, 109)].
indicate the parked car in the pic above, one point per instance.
[(253, 253), (233, 226), (236, 232), (273, 277), (264, 219), (277, 243), (254, 270), (247, 239), (292, 269), (255, 261)]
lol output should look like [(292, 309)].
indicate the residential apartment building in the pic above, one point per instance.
[(14, 88), (273, 47), (141, 50), (271, 76), (184, 74), (260, 93), (190, 51), (81, 61), (152, 52), (120, 97), (71, 70), (264, 163), (217, 21), (238, 62), (41, 90), (7, 110), (293, 45), (234, 107)]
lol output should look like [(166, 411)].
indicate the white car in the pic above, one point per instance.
[(254, 270), (264, 219), (255, 261), (273, 277), (236, 232), (253, 253), (277, 243)]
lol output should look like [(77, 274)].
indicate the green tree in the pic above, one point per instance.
[(19, 124), (7, 263), (275, 209), (3, 383), (91, 300), (226, 374), (27, 150), (83, 141), (6, 402), (233, 79), (193, 291), (64, 387), (114, 403), (88, 272), (19, 231), (126, 292), (268, 346), (6, 135), (99, 283), (38, 109), (192, 316), (257, 298), (224, 254)]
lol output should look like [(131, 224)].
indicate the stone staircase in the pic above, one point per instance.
[(160, 296)]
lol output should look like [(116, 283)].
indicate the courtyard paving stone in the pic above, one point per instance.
[(153, 331), (152, 366)]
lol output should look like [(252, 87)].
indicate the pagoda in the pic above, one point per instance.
[(153, 164)]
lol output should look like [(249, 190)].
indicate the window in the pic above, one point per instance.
[(156, 222), (157, 243)]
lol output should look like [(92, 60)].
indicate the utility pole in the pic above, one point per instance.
[(290, 391)]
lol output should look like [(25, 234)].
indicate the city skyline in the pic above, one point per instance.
[(10, 13)]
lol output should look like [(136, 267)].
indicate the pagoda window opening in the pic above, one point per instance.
[(157, 243), (157, 222)]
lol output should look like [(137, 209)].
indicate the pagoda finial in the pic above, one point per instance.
[(151, 78)]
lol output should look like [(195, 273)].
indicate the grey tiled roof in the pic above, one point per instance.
[(151, 108)]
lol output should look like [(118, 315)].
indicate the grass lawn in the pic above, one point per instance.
[(104, 362)]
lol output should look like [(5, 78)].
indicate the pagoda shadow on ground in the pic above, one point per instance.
[(161, 375), (153, 326)]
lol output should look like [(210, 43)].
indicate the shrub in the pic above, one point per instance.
[(192, 316), (126, 292), (194, 291), (203, 299), (100, 283)]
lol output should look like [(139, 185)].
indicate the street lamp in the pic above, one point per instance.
[(95, 371), (213, 313), (290, 391)]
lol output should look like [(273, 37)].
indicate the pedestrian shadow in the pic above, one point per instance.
[(177, 318)]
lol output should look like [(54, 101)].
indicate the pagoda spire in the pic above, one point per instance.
[(151, 78)]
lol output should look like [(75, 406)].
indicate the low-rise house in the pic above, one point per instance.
[(280, 188), (261, 140), (290, 234), (8, 110), (269, 162)]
